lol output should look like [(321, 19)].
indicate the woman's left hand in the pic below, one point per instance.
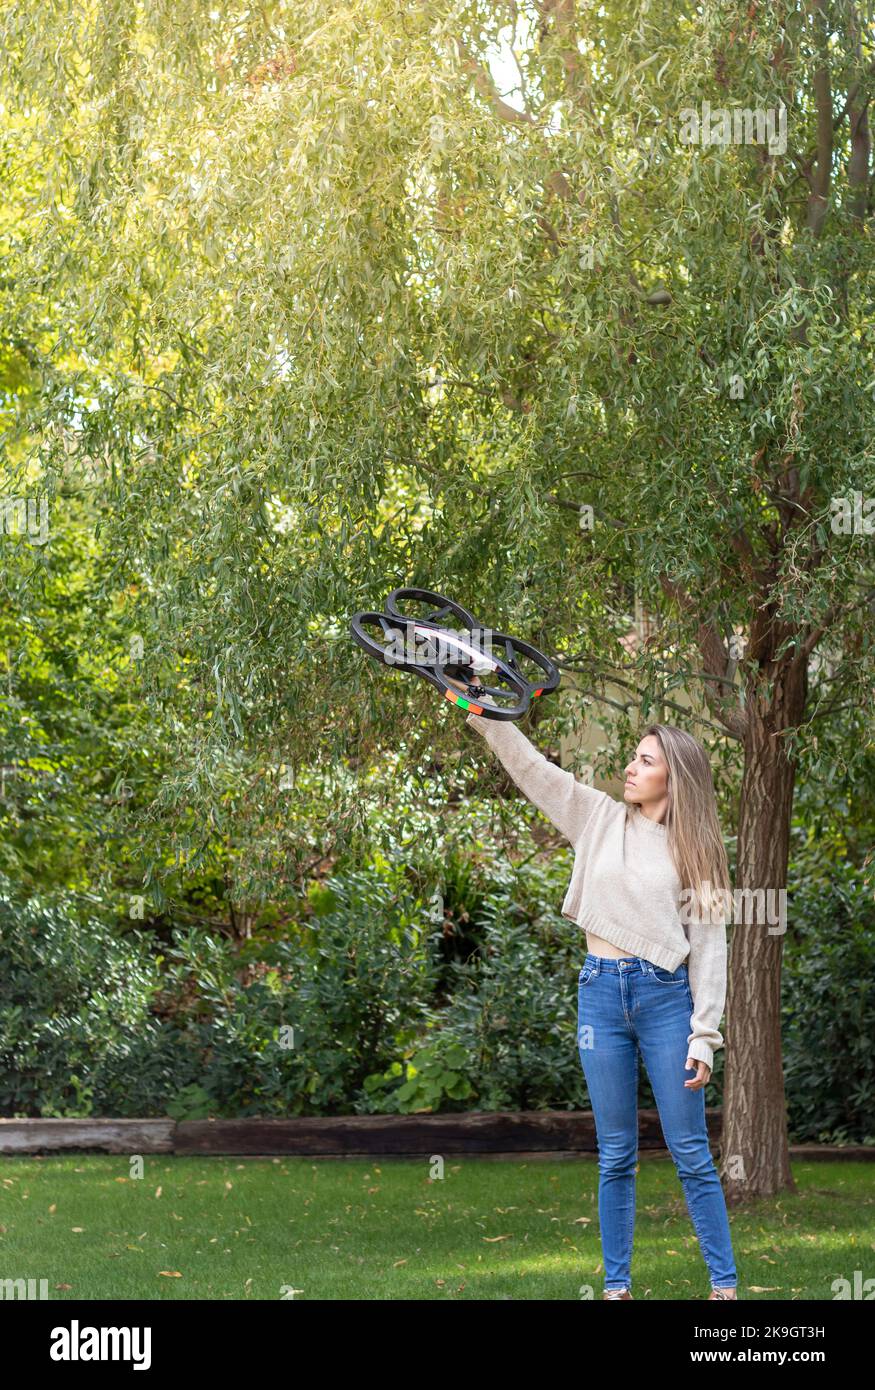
[(702, 1077)]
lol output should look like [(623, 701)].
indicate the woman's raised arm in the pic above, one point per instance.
[(565, 801)]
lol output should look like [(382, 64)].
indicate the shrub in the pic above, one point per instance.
[(76, 1033), (828, 995)]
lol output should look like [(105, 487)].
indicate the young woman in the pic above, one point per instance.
[(647, 887)]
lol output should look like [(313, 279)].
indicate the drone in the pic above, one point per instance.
[(415, 634)]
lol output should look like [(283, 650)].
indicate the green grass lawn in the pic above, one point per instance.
[(214, 1228)]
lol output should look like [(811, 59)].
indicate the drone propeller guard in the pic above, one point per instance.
[(413, 641)]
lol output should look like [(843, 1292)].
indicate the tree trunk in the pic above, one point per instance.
[(754, 1160)]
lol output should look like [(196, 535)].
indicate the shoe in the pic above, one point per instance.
[(617, 1293), (725, 1295)]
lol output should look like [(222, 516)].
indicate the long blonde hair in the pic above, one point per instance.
[(692, 828)]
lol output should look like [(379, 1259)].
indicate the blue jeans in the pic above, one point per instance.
[(624, 1005)]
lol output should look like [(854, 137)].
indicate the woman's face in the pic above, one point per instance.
[(646, 774)]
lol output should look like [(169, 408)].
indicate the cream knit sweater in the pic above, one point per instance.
[(624, 886)]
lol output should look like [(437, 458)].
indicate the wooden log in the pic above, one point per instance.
[(533, 1134), (855, 1153), (471, 1133), (112, 1136)]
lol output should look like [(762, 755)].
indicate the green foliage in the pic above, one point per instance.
[(506, 1039), (193, 1102), (367, 1004), (324, 318), (316, 1011), (435, 1077), (76, 1033), (828, 994)]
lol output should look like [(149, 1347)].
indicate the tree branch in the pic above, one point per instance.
[(576, 506), (858, 163), (723, 701), (832, 616), (817, 200), (658, 699), (487, 89)]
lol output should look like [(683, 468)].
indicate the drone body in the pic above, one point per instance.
[(421, 642)]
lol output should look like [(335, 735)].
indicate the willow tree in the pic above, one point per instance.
[(345, 297)]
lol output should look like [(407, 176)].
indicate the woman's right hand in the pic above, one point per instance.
[(463, 689), (457, 685)]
